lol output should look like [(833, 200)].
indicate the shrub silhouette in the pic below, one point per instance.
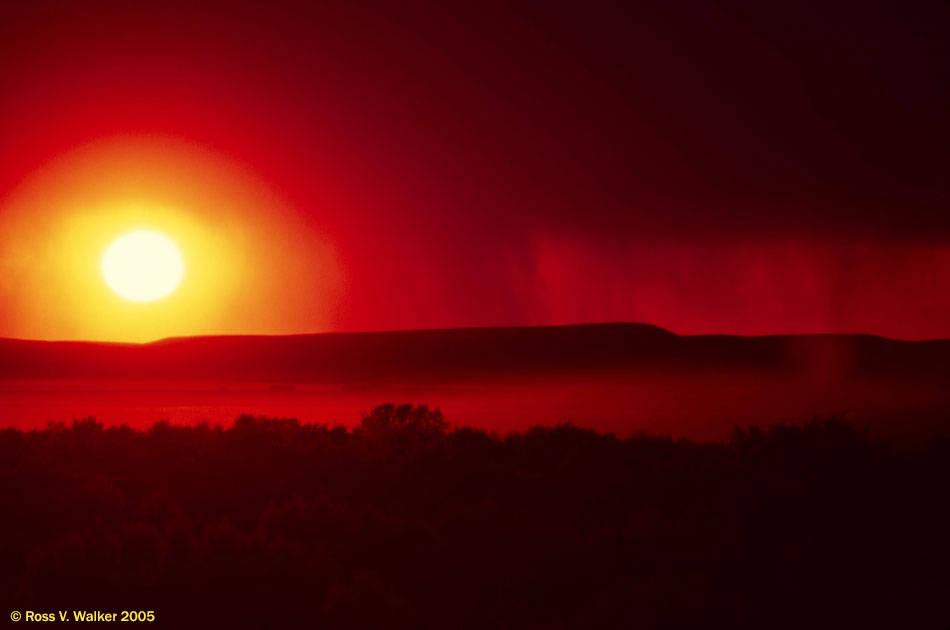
[(403, 418), (404, 522)]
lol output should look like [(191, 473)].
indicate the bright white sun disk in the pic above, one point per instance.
[(142, 266)]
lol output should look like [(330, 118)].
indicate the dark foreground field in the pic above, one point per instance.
[(403, 522)]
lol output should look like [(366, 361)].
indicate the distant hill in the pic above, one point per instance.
[(446, 355)]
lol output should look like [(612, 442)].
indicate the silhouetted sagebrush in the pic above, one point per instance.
[(402, 522)]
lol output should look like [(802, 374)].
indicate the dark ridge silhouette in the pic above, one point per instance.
[(403, 522), (444, 355)]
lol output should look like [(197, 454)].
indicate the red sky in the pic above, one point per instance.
[(737, 167)]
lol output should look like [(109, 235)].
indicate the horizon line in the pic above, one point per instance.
[(656, 327)]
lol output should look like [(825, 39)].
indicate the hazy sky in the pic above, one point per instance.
[(739, 167)]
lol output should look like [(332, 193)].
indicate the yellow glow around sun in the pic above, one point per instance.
[(140, 238), (142, 266)]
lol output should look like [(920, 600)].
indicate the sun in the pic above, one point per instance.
[(143, 266)]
